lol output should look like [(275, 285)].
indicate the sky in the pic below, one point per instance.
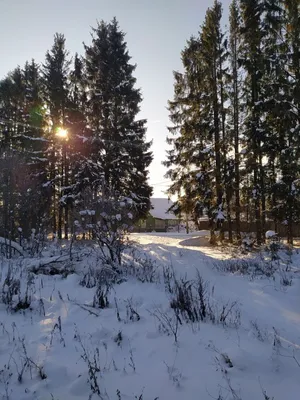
[(156, 32)]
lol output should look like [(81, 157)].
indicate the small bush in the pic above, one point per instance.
[(169, 278), (261, 334), (143, 268), (92, 360), (131, 312), (64, 269), (13, 294), (193, 303), (101, 296), (168, 325), (90, 278), (104, 273), (118, 338), (241, 266)]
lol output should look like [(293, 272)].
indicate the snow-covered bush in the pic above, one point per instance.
[(143, 268), (16, 292), (92, 360), (34, 244), (242, 266), (109, 217), (114, 220), (101, 295)]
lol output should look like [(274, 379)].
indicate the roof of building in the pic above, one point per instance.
[(160, 208)]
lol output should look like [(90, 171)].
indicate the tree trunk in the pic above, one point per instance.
[(66, 183), (219, 194), (236, 150), (263, 199)]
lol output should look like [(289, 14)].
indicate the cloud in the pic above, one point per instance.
[(155, 121)]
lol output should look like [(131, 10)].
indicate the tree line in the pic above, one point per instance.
[(69, 136), (235, 120)]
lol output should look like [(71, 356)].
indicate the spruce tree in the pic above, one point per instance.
[(22, 156), (56, 92), (253, 63), (34, 203), (197, 162), (289, 188), (113, 104), (189, 159)]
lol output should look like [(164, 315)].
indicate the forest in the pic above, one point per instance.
[(234, 132), (91, 309), (71, 145)]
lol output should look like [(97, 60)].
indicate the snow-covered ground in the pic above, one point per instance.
[(62, 348)]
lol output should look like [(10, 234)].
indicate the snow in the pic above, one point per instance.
[(160, 208), (206, 150), (87, 212), (146, 361), (270, 234), (14, 245), (220, 216)]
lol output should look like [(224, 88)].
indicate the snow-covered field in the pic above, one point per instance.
[(63, 348)]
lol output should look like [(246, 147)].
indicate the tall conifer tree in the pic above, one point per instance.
[(113, 104)]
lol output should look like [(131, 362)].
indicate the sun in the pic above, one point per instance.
[(62, 133)]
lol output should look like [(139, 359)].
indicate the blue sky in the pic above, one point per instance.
[(156, 33)]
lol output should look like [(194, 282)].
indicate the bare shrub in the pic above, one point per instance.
[(285, 279), (90, 278), (168, 324), (169, 278), (143, 268), (175, 375), (54, 267), (261, 334), (93, 363), (183, 301), (13, 294), (242, 266), (10, 288), (193, 302), (100, 299), (131, 312), (27, 364), (118, 338), (57, 328), (5, 378), (103, 273), (114, 215)]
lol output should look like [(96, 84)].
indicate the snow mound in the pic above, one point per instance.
[(270, 234)]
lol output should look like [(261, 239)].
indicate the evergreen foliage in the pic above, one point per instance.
[(70, 138), (234, 136)]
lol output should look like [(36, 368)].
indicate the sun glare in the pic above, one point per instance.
[(62, 133)]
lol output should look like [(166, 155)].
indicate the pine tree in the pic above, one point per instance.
[(235, 104), (253, 63), (113, 105)]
